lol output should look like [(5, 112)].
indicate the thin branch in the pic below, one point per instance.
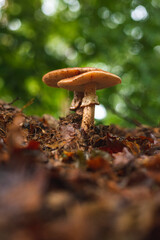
[(127, 119), (14, 100), (139, 111), (27, 104)]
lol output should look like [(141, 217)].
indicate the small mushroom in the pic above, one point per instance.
[(87, 83), (76, 102), (52, 78)]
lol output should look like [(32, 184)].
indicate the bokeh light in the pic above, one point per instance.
[(100, 112)]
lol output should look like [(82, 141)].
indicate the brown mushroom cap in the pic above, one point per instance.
[(101, 79), (53, 77)]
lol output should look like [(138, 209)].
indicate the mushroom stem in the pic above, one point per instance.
[(76, 102), (88, 104), (88, 117)]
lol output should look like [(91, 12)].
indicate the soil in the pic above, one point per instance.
[(58, 182)]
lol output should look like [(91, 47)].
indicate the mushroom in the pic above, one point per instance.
[(52, 78), (87, 83)]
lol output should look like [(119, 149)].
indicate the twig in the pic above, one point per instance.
[(134, 122), (136, 109), (14, 100), (2, 130), (27, 104)]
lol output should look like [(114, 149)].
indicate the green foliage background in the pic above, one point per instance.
[(96, 33)]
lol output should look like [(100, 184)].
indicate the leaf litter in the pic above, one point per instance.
[(58, 182)]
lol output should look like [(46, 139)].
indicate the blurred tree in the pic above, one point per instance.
[(118, 36)]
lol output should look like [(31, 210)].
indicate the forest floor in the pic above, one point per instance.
[(59, 183)]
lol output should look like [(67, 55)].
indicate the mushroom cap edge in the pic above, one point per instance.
[(53, 77), (101, 79)]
